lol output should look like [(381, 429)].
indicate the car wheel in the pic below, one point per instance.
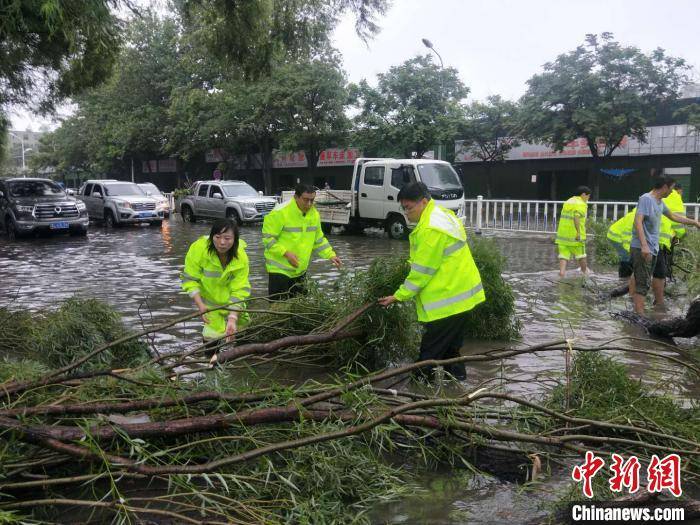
[(187, 214), (233, 215), (396, 227), (110, 221)]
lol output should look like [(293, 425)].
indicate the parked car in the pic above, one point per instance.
[(234, 199), (118, 202), (30, 205), (151, 190)]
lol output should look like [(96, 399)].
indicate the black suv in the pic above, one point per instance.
[(31, 205)]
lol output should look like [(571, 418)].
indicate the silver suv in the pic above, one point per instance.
[(119, 202), (232, 199)]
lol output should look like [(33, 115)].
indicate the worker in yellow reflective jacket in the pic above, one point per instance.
[(571, 232), (444, 280), (216, 274), (620, 236), (292, 234)]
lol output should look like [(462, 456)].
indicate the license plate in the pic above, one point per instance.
[(58, 225), (146, 214)]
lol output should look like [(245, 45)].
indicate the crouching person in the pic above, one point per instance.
[(444, 281), (216, 274)]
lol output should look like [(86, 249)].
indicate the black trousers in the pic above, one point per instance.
[(442, 340), (280, 287)]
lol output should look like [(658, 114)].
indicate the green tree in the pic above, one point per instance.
[(601, 91), (489, 132), (50, 50), (311, 98), (124, 119), (414, 107), (254, 35)]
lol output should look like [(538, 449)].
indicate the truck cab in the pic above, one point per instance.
[(377, 182)]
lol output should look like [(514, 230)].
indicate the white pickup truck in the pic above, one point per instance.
[(375, 184)]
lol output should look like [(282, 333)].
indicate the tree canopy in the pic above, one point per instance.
[(50, 50), (414, 107), (602, 91)]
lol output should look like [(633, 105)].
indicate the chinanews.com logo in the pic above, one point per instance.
[(663, 476)]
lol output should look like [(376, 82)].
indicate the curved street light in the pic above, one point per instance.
[(427, 43)]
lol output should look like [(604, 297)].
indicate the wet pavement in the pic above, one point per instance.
[(136, 269)]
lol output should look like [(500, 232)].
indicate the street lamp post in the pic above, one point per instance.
[(24, 165), (427, 43)]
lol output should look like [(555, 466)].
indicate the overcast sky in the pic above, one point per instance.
[(497, 45)]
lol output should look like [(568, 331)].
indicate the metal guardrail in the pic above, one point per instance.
[(540, 216)]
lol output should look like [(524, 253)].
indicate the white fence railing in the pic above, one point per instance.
[(540, 216)]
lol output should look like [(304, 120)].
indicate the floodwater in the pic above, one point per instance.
[(136, 269)]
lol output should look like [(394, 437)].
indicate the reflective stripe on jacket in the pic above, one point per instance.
[(674, 202), (566, 230), (620, 231), (217, 286), (444, 279), (287, 229)]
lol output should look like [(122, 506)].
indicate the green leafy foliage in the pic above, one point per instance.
[(52, 50), (255, 35), (415, 106), (496, 317), (603, 251), (76, 328), (601, 389), (601, 91)]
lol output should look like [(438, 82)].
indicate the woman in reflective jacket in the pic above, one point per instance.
[(216, 275)]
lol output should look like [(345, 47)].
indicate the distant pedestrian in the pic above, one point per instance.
[(571, 232), (644, 247)]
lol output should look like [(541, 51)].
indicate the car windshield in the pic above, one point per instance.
[(125, 188), (239, 190), (34, 188), (152, 188), (438, 176)]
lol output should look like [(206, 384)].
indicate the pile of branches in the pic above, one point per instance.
[(150, 442), (118, 429)]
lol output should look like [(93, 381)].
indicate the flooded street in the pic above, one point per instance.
[(136, 269)]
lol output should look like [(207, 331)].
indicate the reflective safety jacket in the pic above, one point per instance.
[(285, 229), (566, 230), (620, 231), (444, 278), (674, 202), (217, 286)]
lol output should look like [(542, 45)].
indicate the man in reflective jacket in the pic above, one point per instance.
[(620, 235), (444, 280), (571, 232), (292, 234)]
